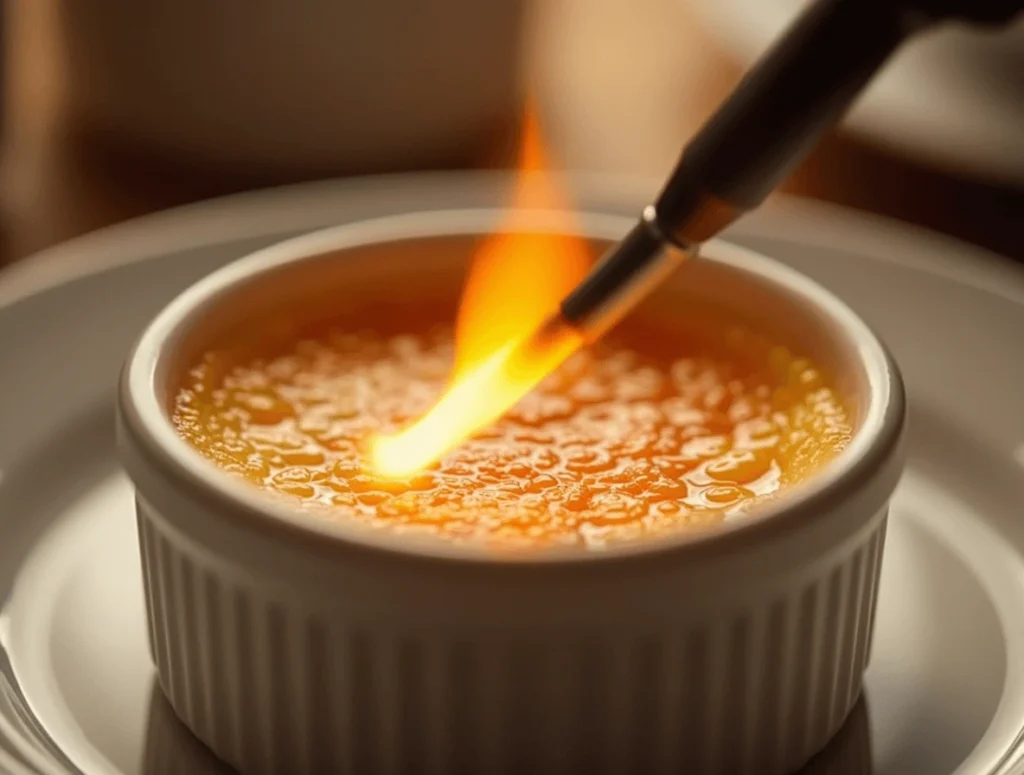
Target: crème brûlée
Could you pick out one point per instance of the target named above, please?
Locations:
(665, 425)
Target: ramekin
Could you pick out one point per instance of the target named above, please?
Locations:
(170, 749)
(293, 644)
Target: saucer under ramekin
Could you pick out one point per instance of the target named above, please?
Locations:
(293, 644)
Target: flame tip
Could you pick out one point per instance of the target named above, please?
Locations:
(527, 273)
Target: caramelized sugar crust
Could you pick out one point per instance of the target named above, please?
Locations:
(665, 426)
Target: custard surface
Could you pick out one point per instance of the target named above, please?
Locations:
(652, 431)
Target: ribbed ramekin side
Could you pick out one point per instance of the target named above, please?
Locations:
(275, 688)
(244, 672)
(170, 747)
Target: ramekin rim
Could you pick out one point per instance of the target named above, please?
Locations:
(153, 436)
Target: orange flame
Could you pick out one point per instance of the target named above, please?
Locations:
(515, 282)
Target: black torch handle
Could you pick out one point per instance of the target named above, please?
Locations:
(799, 88)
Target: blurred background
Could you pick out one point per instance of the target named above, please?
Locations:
(116, 108)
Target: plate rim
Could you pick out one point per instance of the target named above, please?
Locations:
(207, 221)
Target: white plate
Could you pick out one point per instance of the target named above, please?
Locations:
(953, 98)
(945, 688)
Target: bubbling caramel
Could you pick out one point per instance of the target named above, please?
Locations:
(657, 429)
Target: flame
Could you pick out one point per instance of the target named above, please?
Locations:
(515, 282)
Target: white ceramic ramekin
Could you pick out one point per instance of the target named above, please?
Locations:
(171, 750)
(294, 644)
